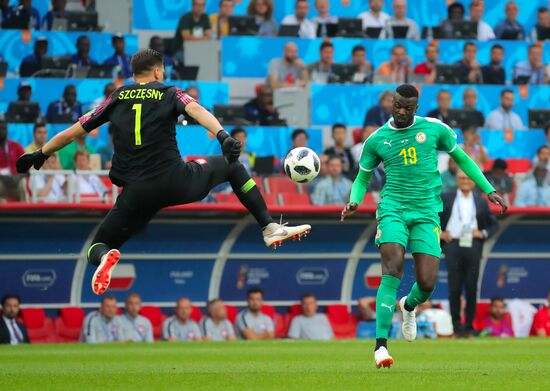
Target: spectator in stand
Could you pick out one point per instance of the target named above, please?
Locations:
(102, 325)
(193, 26)
(473, 147)
(469, 70)
(497, 324)
(510, 28)
(180, 327)
(251, 323)
(33, 62)
(11, 331)
(262, 10)
(428, 68)
(455, 13)
(260, 110)
(484, 31)
(299, 139)
(323, 172)
(535, 189)
(541, 321)
(49, 188)
(67, 106)
(120, 59)
(106, 151)
(504, 118)
(469, 101)
(466, 222)
(323, 15)
(87, 184)
(433, 322)
(289, 71)
(216, 326)
(11, 184)
(82, 56)
(365, 69)
(321, 71)
(398, 69)
(24, 94)
(66, 155)
(532, 71)
(543, 156)
(399, 18)
(307, 28)
(380, 114)
(107, 91)
(24, 10)
(335, 188)
(543, 23)
(494, 72)
(311, 324)
(247, 159)
(4, 9)
(40, 136)
(57, 12)
(443, 106)
(448, 178)
(220, 21)
(339, 149)
(374, 17)
(499, 178)
(134, 327)
(157, 43)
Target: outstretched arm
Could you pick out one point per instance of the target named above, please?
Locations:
(358, 190)
(471, 169)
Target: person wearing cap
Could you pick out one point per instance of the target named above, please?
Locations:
(33, 62)
(21, 11)
(82, 56)
(535, 189)
(120, 58)
(57, 12)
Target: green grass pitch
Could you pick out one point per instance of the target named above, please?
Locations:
(482, 364)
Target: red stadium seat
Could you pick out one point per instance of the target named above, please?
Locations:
(227, 198)
(515, 166)
(281, 327)
(196, 313)
(39, 327)
(232, 312)
(156, 317)
(259, 183)
(343, 323)
(296, 199)
(268, 310)
(69, 324)
(280, 184)
(271, 199)
(295, 310)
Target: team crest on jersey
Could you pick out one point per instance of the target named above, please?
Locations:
(421, 137)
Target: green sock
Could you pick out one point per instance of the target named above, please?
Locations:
(416, 297)
(385, 305)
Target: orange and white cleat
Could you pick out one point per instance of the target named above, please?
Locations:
(383, 358)
(102, 276)
(276, 234)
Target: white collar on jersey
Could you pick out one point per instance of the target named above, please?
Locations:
(394, 128)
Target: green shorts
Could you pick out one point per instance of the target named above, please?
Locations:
(398, 224)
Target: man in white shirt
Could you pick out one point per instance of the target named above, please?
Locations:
(251, 323)
(484, 31)
(135, 327)
(374, 17)
(466, 222)
(216, 326)
(87, 184)
(310, 325)
(102, 325)
(399, 18)
(504, 118)
(11, 331)
(180, 326)
(307, 28)
(49, 188)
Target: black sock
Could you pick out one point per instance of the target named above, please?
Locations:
(248, 193)
(96, 252)
(381, 342)
(408, 307)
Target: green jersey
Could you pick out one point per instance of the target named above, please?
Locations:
(410, 160)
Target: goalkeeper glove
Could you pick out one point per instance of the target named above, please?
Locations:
(231, 148)
(31, 159)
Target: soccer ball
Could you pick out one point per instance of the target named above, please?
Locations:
(302, 165)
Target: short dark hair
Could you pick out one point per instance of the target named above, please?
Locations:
(358, 48)
(468, 44)
(10, 296)
(407, 91)
(253, 291)
(539, 149)
(338, 125)
(38, 125)
(497, 46)
(108, 297)
(542, 10)
(455, 5)
(547, 130)
(298, 132)
(497, 298)
(398, 46)
(306, 296)
(81, 38)
(500, 164)
(332, 157)
(133, 294)
(236, 130)
(326, 45)
(533, 46)
(145, 60)
(505, 91)
(210, 303)
(467, 129)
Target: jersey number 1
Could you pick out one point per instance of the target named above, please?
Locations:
(409, 155)
(137, 127)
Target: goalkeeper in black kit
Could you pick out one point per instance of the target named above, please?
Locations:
(148, 165)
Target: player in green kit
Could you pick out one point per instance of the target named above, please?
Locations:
(409, 209)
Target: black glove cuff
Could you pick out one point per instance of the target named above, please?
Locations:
(41, 154)
(222, 135)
